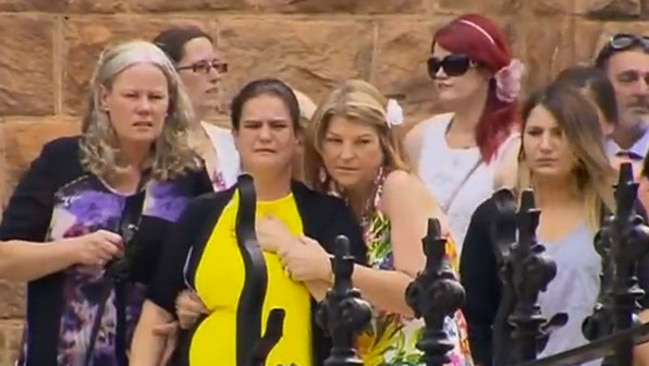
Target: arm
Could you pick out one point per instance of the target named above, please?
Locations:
(24, 257)
(23, 261)
(479, 276)
(148, 345)
(344, 223)
(408, 215)
(507, 169)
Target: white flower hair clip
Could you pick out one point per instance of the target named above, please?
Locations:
(394, 113)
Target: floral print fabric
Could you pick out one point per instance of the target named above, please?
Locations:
(390, 340)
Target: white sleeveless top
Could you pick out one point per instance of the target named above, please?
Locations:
(228, 163)
(443, 169)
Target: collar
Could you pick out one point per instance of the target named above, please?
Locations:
(641, 147)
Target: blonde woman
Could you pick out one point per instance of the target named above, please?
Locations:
(351, 151)
(563, 159)
(129, 172)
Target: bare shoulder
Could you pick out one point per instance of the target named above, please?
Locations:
(399, 179)
(404, 186)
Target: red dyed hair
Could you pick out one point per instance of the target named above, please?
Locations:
(491, 51)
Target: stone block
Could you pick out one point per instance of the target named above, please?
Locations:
(400, 69)
(344, 6)
(26, 70)
(24, 139)
(549, 45)
(47, 6)
(609, 9)
(156, 6)
(11, 332)
(591, 35)
(311, 55)
(12, 300)
(485, 7)
(550, 7)
(86, 36)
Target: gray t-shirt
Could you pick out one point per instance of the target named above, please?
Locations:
(573, 290)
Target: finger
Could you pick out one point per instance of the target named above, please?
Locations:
(109, 249)
(287, 272)
(186, 321)
(111, 237)
(308, 241)
(170, 347)
(191, 303)
(283, 252)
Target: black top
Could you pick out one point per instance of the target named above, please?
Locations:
(479, 276)
(323, 218)
(57, 199)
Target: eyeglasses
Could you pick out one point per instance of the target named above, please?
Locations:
(206, 66)
(622, 41)
(453, 65)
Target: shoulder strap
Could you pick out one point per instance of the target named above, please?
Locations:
(447, 205)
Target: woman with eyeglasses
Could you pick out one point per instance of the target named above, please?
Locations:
(456, 153)
(201, 69)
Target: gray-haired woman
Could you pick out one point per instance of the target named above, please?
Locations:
(105, 197)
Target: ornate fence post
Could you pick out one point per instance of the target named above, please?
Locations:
(343, 313)
(434, 295)
(532, 270)
(520, 332)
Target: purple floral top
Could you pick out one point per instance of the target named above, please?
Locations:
(57, 200)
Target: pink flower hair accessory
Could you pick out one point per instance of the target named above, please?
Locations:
(508, 81)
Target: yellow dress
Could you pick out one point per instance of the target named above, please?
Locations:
(219, 282)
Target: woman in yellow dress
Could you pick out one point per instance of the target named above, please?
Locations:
(203, 253)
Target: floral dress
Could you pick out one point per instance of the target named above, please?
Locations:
(390, 339)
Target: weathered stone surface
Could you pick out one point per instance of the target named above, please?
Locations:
(485, 7)
(313, 56)
(344, 6)
(551, 7)
(549, 44)
(155, 6)
(12, 300)
(590, 36)
(400, 67)
(85, 37)
(609, 9)
(11, 332)
(26, 72)
(24, 139)
(49, 6)
(4, 190)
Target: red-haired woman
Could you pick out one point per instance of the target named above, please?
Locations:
(457, 154)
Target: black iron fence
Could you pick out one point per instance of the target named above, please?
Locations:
(520, 331)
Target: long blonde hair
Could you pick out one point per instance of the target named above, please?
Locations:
(171, 154)
(360, 101)
(578, 119)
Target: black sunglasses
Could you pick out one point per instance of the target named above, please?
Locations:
(206, 66)
(622, 41)
(453, 65)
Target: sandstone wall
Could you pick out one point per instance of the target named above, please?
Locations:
(48, 49)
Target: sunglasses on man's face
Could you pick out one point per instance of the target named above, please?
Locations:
(452, 65)
(622, 41)
(206, 66)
